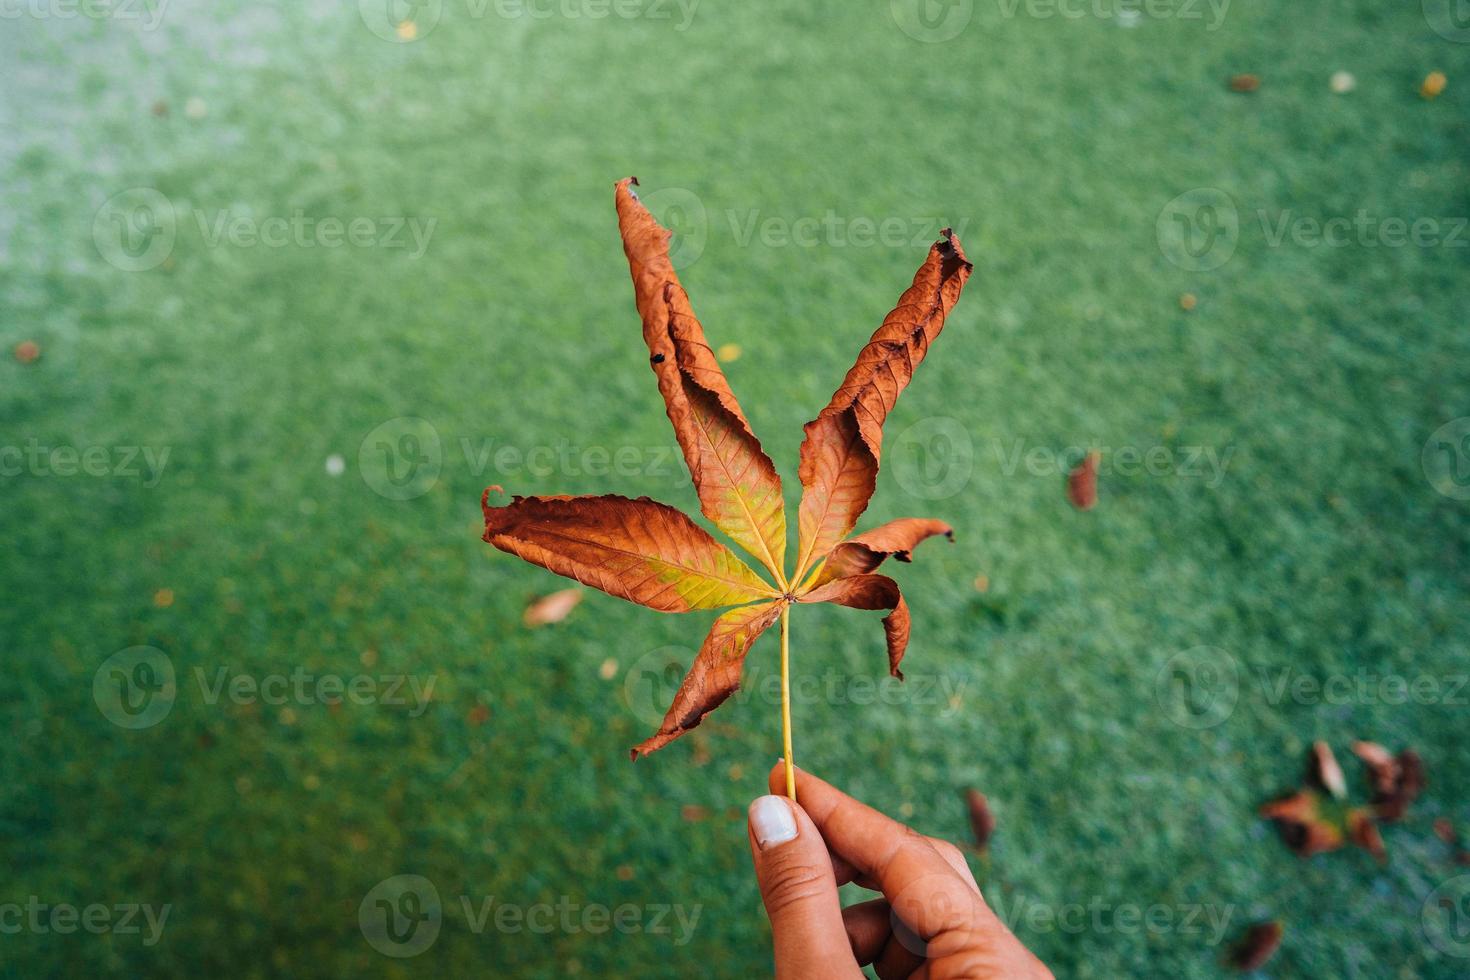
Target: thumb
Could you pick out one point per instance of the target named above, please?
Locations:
(799, 891)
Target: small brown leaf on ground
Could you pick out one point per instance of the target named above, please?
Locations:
(1382, 770)
(1257, 947)
(1299, 819)
(1434, 84)
(1363, 829)
(1082, 482)
(982, 821)
(1397, 780)
(694, 813)
(1325, 771)
(1245, 83)
(552, 608)
(27, 351)
(478, 715)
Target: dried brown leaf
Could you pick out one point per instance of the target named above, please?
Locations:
(843, 445)
(982, 820)
(639, 550)
(1325, 771)
(871, 592)
(1302, 825)
(715, 673)
(1082, 482)
(1257, 947)
(552, 608)
(1363, 829)
(738, 487)
(863, 553)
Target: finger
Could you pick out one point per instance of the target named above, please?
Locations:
(956, 859)
(901, 956)
(924, 889)
(799, 891)
(842, 868)
(867, 928)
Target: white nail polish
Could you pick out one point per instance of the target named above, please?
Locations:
(772, 821)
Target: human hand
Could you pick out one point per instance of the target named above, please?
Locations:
(931, 922)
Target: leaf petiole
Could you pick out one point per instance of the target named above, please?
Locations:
(786, 699)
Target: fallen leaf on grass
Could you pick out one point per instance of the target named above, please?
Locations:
(1397, 780)
(1363, 830)
(1244, 83)
(982, 820)
(551, 608)
(1082, 482)
(1302, 824)
(1326, 772)
(1257, 947)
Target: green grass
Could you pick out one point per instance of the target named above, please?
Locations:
(1053, 143)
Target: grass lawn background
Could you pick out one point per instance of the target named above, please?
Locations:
(1054, 144)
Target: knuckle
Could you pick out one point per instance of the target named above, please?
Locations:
(948, 851)
(793, 885)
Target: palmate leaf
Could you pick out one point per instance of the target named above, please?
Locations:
(639, 550)
(843, 444)
(715, 674)
(652, 554)
(737, 485)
